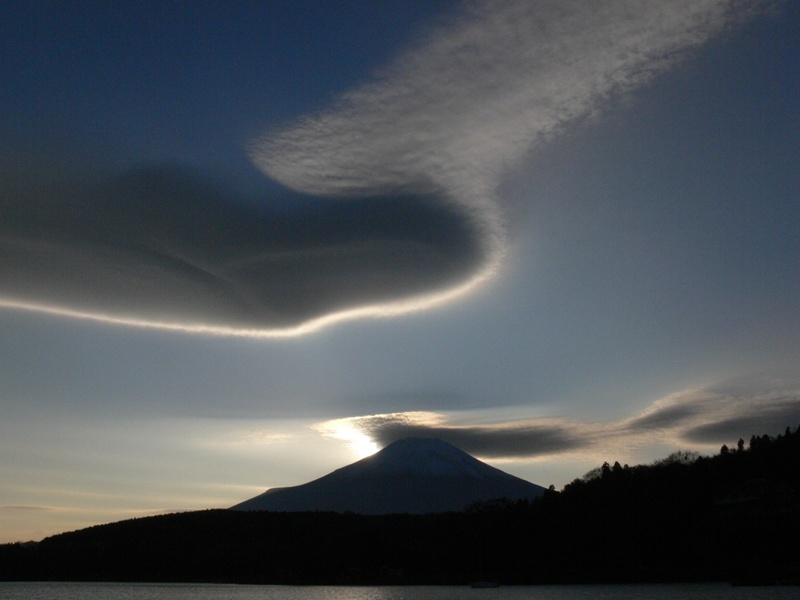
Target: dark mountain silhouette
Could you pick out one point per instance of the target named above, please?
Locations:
(734, 516)
(413, 475)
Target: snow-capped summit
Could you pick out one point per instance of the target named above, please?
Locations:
(423, 456)
(413, 475)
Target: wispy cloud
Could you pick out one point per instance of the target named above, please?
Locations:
(400, 177)
(450, 115)
(25, 508)
(706, 417)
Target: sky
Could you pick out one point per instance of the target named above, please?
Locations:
(243, 244)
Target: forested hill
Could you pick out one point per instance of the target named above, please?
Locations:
(734, 516)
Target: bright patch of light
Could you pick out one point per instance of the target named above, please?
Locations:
(356, 430)
(343, 429)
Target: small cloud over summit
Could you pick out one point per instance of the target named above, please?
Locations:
(709, 416)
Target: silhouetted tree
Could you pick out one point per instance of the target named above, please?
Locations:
(681, 457)
(683, 518)
(595, 473)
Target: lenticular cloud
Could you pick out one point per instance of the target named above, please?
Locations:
(391, 200)
(451, 114)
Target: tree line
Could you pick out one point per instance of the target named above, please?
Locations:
(734, 516)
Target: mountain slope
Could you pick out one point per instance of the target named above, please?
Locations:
(414, 475)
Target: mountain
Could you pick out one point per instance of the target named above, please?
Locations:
(413, 475)
(730, 517)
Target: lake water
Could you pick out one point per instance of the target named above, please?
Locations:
(119, 591)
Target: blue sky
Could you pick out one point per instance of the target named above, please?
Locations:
(243, 244)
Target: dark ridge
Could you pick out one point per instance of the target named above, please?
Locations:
(731, 517)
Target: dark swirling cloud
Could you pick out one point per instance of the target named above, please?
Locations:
(420, 151)
(168, 246)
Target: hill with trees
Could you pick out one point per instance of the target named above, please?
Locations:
(734, 516)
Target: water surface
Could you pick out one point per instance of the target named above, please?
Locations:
(122, 591)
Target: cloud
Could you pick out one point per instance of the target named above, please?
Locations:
(743, 427)
(25, 508)
(771, 416)
(470, 100)
(706, 416)
(496, 441)
(506, 440)
(722, 413)
(168, 247)
(398, 178)
(664, 418)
